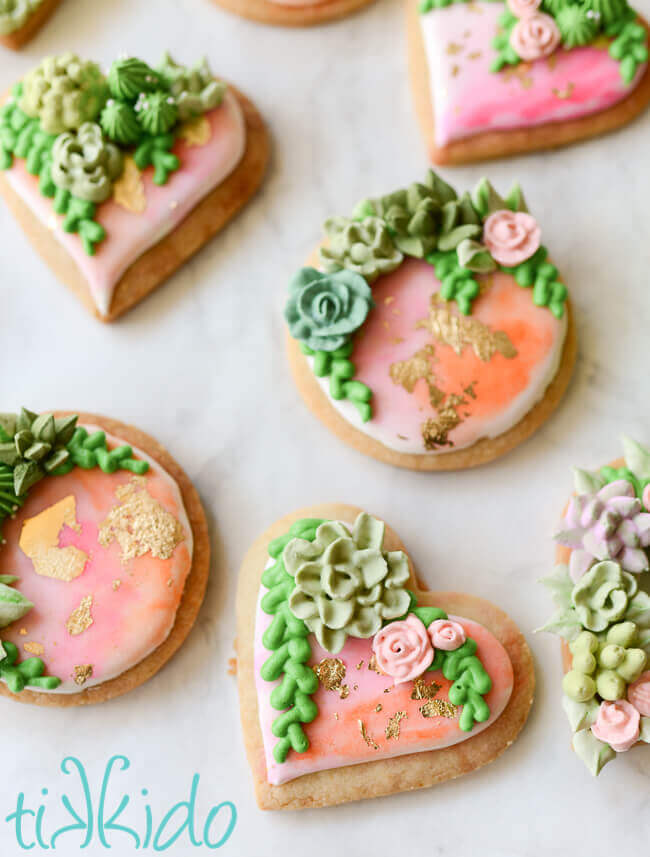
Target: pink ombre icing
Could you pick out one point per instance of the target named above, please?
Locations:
(134, 604)
(446, 635)
(130, 234)
(402, 649)
(617, 725)
(468, 98)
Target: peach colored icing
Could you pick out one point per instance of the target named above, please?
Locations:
(638, 693)
(495, 393)
(338, 742)
(132, 605)
(446, 635)
(129, 234)
(617, 724)
(468, 98)
(403, 649)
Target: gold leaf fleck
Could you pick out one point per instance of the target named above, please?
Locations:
(454, 48)
(407, 373)
(82, 672)
(344, 691)
(360, 664)
(372, 665)
(80, 619)
(455, 70)
(392, 726)
(116, 584)
(140, 524)
(470, 391)
(128, 190)
(459, 331)
(475, 55)
(336, 715)
(438, 708)
(567, 92)
(379, 707)
(39, 540)
(23, 632)
(34, 648)
(422, 690)
(331, 672)
(197, 131)
(364, 734)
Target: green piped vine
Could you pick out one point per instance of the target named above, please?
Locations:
(138, 110)
(33, 447)
(540, 275)
(340, 370)
(287, 638)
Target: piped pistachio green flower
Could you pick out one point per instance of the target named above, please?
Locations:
(578, 25)
(85, 164)
(365, 247)
(602, 595)
(195, 89)
(346, 585)
(324, 310)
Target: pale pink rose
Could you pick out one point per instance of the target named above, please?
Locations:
(511, 236)
(403, 649)
(638, 693)
(617, 724)
(523, 8)
(534, 36)
(446, 635)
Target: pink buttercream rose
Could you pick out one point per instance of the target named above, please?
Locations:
(638, 693)
(617, 724)
(511, 236)
(446, 635)
(534, 36)
(523, 8)
(403, 649)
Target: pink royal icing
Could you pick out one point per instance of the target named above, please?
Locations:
(446, 634)
(511, 237)
(130, 234)
(617, 724)
(402, 649)
(495, 393)
(132, 605)
(467, 98)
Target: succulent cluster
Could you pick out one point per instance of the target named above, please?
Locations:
(85, 164)
(33, 446)
(604, 665)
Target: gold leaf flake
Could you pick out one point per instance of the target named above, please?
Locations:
(567, 92)
(407, 373)
(455, 70)
(331, 672)
(438, 708)
(460, 331)
(387, 689)
(389, 299)
(82, 672)
(364, 734)
(39, 540)
(551, 61)
(474, 7)
(116, 584)
(392, 726)
(475, 55)
(196, 132)
(360, 664)
(128, 190)
(34, 648)
(23, 632)
(372, 665)
(80, 619)
(470, 391)
(454, 48)
(140, 524)
(422, 690)
(344, 691)
(379, 707)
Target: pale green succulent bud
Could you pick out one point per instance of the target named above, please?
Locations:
(610, 685)
(624, 634)
(584, 642)
(584, 662)
(579, 687)
(633, 664)
(611, 656)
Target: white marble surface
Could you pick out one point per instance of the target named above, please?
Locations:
(201, 366)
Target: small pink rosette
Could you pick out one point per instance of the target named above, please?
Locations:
(446, 634)
(535, 36)
(511, 236)
(403, 649)
(617, 724)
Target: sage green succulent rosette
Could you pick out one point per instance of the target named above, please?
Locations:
(129, 77)
(195, 89)
(604, 614)
(324, 310)
(578, 25)
(364, 247)
(15, 13)
(345, 583)
(63, 92)
(85, 164)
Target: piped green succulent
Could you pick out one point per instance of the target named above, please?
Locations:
(345, 583)
(129, 77)
(365, 247)
(34, 445)
(195, 89)
(85, 164)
